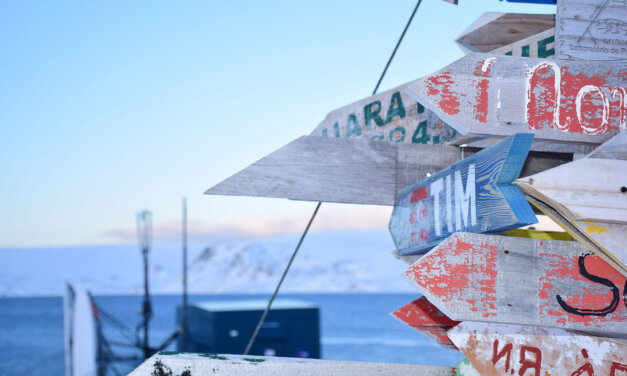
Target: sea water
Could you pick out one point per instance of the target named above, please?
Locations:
(353, 327)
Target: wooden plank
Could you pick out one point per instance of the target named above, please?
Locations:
(465, 368)
(606, 240)
(491, 278)
(514, 34)
(388, 116)
(170, 363)
(592, 30)
(351, 171)
(482, 95)
(501, 349)
(535, 234)
(473, 195)
(589, 199)
(426, 318)
(338, 170)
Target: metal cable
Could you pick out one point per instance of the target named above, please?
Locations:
(287, 268)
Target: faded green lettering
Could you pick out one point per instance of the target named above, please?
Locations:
(420, 134)
(525, 51)
(396, 108)
(542, 51)
(377, 137)
(421, 108)
(336, 129)
(400, 130)
(370, 114)
(508, 53)
(352, 126)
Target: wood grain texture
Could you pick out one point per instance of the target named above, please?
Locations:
(482, 95)
(337, 170)
(586, 197)
(606, 240)
(491, 278)
(592, 30)
(474, 195)
(493, 32)
(501, 349)
(241, 365)
(391, 116)
(426, 318)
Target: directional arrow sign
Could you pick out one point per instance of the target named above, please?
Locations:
(522, 281)
(388, 116)
(592, 30)
(428, 320)
(500, 349)
(514, 34)
(590, 195)
(473, 195)
(561, 101)
(314, 168)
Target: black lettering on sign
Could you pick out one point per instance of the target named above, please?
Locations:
(592, 312)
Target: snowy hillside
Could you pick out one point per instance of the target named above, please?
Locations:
(341, 261)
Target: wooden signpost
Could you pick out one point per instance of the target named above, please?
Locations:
(482, 95)
(589, 198)
(314, 168)
(179, 364)
(474, 195)
(388, 116)
(500, 349)
(592, 30)
(427, 319)
(513, 34)
(522, 281)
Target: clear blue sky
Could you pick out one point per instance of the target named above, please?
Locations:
(107, 108)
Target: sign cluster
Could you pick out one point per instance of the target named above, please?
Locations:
(540, 96)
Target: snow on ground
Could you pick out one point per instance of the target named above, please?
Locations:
(336, 261)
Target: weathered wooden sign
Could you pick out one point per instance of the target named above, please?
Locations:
(350, 171)
(522, 281)
(482, 95)
(591, 195)
(473, 195)
(592, 30)
(173, 363)
(388, 116)
(501, 349)
(513, 34)
(428, 320)
(338, 170)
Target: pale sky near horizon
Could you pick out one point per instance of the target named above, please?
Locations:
(108, 108)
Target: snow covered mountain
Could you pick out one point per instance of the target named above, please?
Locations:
(340, 261)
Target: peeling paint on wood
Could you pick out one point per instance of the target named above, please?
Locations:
(500, 349)
(513, 34)
(592, 30)
(428, 320)
(388, 116)
(522, 281)
(482, 95)
(465, 368)
(240, 365)
(474, 195)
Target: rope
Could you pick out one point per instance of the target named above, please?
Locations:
(265, 313)
(287, 268)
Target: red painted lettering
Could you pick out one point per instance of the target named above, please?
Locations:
(526, 363)
(506, 351)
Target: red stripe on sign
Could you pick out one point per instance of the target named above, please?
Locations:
(418, 194)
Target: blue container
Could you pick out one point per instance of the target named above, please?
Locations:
(291, 329)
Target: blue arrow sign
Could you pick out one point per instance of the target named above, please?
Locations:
(473, 195)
